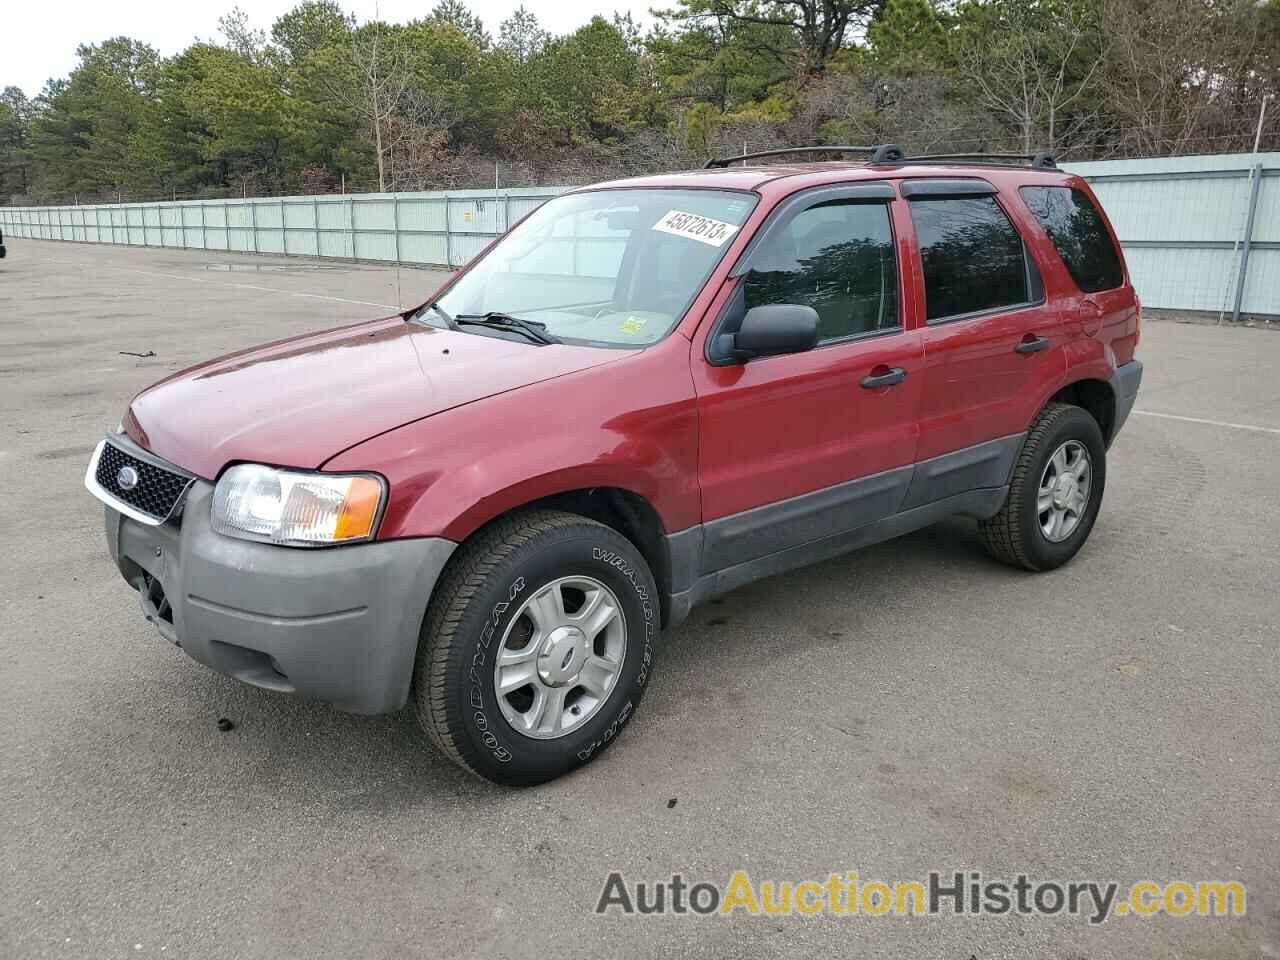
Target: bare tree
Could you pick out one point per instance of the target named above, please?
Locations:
(911, 109)
(1180, 73)
(416, 140)
(374, 85)
(658, 148)
(1035, 65)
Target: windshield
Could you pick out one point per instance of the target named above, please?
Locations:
(611, 267)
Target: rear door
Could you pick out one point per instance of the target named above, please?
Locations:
(796, 448)
(991, 341)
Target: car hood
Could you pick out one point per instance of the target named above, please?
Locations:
(299, 402)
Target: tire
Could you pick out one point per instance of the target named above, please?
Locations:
(485, 605)
(1016, 535)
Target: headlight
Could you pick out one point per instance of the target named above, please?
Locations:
(301, 509)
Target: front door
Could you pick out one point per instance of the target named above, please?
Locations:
(797, 448)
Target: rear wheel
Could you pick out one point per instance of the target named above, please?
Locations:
(537, 646)
(1055, 493)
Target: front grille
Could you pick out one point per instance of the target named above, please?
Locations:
(158, 491)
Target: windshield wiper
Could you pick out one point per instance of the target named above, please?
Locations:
(535, 331)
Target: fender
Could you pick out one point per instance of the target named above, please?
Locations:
(1087, 358)
(451, 473)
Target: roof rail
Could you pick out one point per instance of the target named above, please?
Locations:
(884, 153)
(1042, 160)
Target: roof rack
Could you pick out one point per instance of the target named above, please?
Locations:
(1040, 161)
(884, 153)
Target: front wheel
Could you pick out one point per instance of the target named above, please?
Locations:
(1055, 494)
(537, 646)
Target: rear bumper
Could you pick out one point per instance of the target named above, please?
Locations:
(339, 624)
(1125, 382)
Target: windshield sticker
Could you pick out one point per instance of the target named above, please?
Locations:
(693, 227)
(633, 324)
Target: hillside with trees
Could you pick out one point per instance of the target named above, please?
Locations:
(321, 103)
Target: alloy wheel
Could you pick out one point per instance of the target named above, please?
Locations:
(1063, 495)
(560, 657)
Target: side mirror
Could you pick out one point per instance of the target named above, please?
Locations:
(775, 329)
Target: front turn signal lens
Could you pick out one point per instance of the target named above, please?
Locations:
(359, 510)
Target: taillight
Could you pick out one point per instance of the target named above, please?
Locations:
(1137, 312)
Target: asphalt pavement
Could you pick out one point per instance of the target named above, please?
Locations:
(911, 707)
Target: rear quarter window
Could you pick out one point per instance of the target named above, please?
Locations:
(1079, 234)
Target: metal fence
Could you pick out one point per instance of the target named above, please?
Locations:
(420, 228)
(1200, 233)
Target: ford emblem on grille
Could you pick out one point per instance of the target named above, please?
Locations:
(127, 478)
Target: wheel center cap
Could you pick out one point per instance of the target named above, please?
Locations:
(562, 655)
(1064, 492)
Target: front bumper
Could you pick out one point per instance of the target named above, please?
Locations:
(1125, 383)
(337, 624)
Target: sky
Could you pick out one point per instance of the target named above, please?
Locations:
(39, 37)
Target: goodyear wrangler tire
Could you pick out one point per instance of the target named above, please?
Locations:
(1055, 494)
(536, 647)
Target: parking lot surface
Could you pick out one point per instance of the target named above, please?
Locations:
(911, 707)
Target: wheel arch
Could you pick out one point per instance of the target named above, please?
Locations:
(1095, 397)
(623, 510)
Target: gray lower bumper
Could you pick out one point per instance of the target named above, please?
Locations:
(339, 624)
(1125, 381)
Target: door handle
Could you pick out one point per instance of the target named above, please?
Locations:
(1034, 345)
(891, 376)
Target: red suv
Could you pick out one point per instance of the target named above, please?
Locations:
(647, 393)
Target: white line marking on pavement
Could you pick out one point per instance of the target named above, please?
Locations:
(254, 286)
(241, 286)
(1211, 423)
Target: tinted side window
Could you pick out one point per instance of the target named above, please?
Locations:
(838, 258)
(973, 257)
(1077, 231)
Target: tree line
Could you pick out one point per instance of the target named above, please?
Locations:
(321, 102)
